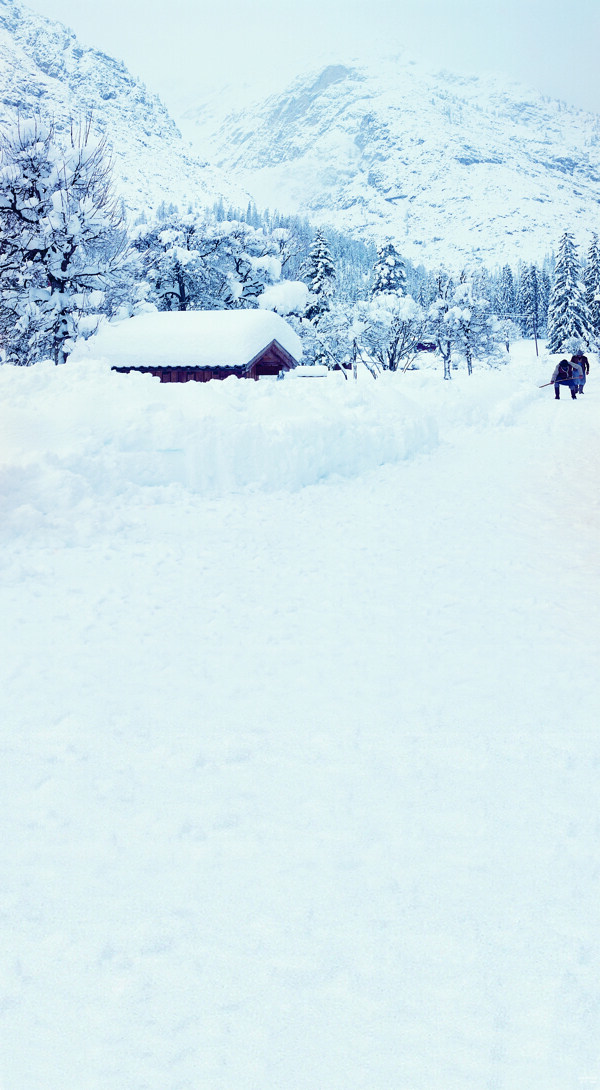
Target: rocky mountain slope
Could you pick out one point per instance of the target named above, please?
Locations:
(44, 68)
(444, 165)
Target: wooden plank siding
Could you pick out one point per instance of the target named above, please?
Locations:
(184, 374)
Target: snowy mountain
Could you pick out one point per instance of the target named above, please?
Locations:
(441, 163)
(445, 165)
(44, 68)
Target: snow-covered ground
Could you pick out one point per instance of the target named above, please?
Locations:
(300, 704)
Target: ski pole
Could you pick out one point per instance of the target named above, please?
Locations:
(545, 384)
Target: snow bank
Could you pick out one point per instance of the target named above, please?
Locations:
(72, 431)
(69, 433)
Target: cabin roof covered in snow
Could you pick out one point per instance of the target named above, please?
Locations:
(191, 338)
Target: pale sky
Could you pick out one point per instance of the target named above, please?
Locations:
(189, 47)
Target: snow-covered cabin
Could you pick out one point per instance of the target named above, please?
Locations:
(199, 345)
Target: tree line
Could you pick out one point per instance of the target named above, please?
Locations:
(68, 260)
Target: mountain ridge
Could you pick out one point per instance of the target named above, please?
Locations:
(452, 168)
(446, 165)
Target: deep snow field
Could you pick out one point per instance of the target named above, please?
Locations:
(300, 700)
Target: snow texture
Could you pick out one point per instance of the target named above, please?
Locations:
(286, 297)
(195, 338)
(299, 688)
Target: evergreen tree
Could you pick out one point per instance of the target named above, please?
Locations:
(471, 316)
(545, 285)
(320, 276)
(389, 274)
(427, 290)
(506, 305)
(592, 286)
(567, 311)
(530, 302)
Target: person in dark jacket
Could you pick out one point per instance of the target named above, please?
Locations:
(583, 362)
(566, 374)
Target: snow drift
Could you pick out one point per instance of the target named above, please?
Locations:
(95, 429)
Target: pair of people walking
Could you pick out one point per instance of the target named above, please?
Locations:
(571, 373)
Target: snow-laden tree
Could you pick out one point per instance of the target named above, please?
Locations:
(443, 318)
(61, 237)
(507, 331)
(592, 287)
(471, 317)
(327, 342)
(567, 310)
(380, 333)
(389, 272)
(392, 327)
(127, 293)
(426, 289)
(252, 260)
(190, 263)
(286, 245)
(175, 260)
(530, 303)
(506, 301)
(320, 277)
(545, 285)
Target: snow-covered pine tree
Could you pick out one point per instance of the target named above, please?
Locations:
(320, 277)
(507, 306)
(465, 331)
(529, 302)
(427, 290)
(592, 287)
(61, 236)
(389, 273)
(506, 303)
(567, 310)
(545, 285)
